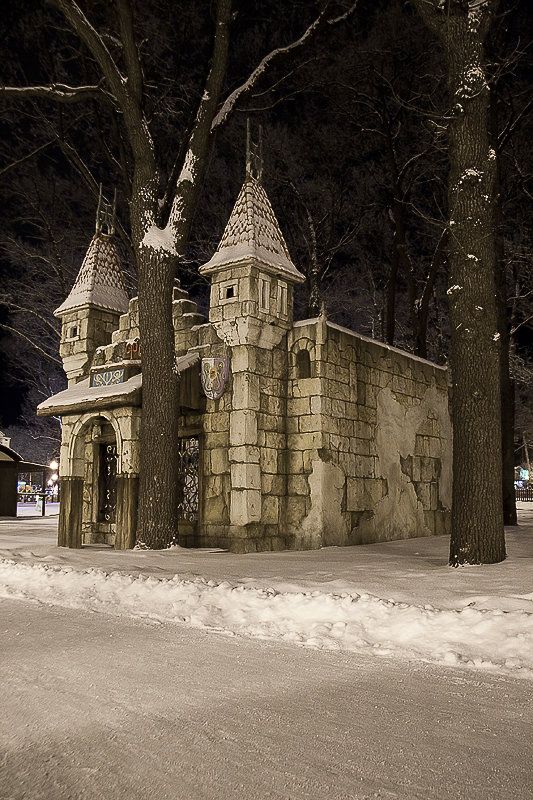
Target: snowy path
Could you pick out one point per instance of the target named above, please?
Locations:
(481, 638)
(95, 706)
(396, 598)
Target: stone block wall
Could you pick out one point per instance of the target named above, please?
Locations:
(81, 437)
(82, 333)
(235, 293)
(321, 437)
(243, 446)
(369, 441)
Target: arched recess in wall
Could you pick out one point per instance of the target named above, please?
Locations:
(303, 364)
(302, 359)
(76, 462)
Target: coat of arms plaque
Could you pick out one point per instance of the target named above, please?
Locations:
(214, 374)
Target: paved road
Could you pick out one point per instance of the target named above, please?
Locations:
(99, 707)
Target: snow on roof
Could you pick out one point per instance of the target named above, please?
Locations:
(314, 320)
(186, 361)
(8, 454)
(99, 282)
(253, 232)
(82, 396)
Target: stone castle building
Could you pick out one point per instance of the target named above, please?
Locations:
(292, 434)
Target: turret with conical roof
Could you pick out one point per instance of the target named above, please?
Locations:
(91, 311)
(252, 274)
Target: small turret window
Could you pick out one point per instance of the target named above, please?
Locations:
(73, 332)
(303, 364)
(283, 299)
(228, 292)
(264, 295)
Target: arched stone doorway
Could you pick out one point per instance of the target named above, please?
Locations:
(99, 514)
(99, 503)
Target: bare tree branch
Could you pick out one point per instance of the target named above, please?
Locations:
(131, 53)
(271, 58)
(138, 132)
(27, 157)
(202, 130)
(16, 309)
(57, 91)
(513, 124)
(32, 343)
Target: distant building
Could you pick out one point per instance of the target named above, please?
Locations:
(293, 434)
(11, 466)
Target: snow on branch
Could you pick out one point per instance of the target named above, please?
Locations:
(136, 125)
(57, 91)
(245, 88)
(94, 42)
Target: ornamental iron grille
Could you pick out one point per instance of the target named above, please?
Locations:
(108, 483)
(188, 461)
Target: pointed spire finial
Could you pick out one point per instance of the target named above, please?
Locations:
(254, 153)
(105, 214)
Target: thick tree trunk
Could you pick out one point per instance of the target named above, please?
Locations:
(158, 500)
(477, 519)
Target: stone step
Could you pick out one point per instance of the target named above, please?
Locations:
(179, 294)
(120, 336)
(184, 306)
(194, 319)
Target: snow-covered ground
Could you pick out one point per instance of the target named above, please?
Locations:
(32, 510)
(96, 706)
(395, 599)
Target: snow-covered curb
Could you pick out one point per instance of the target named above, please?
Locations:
(492, 639)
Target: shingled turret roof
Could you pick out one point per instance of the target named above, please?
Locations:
(99, 282)
(253, 232)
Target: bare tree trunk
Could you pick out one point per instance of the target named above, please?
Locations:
(158, 509)
(477, 519)
(313, 297)
(428, 294)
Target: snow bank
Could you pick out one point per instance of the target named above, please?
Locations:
(492, 639)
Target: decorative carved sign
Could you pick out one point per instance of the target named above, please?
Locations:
(188, 460)
(133, 349)
(214, 374)
(108, 483)
(108, 377)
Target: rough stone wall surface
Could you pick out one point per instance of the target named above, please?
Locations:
(79, 455)
(243, 441)
(243, 300)
(93, 327)
(369, 441)
(352, 448)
